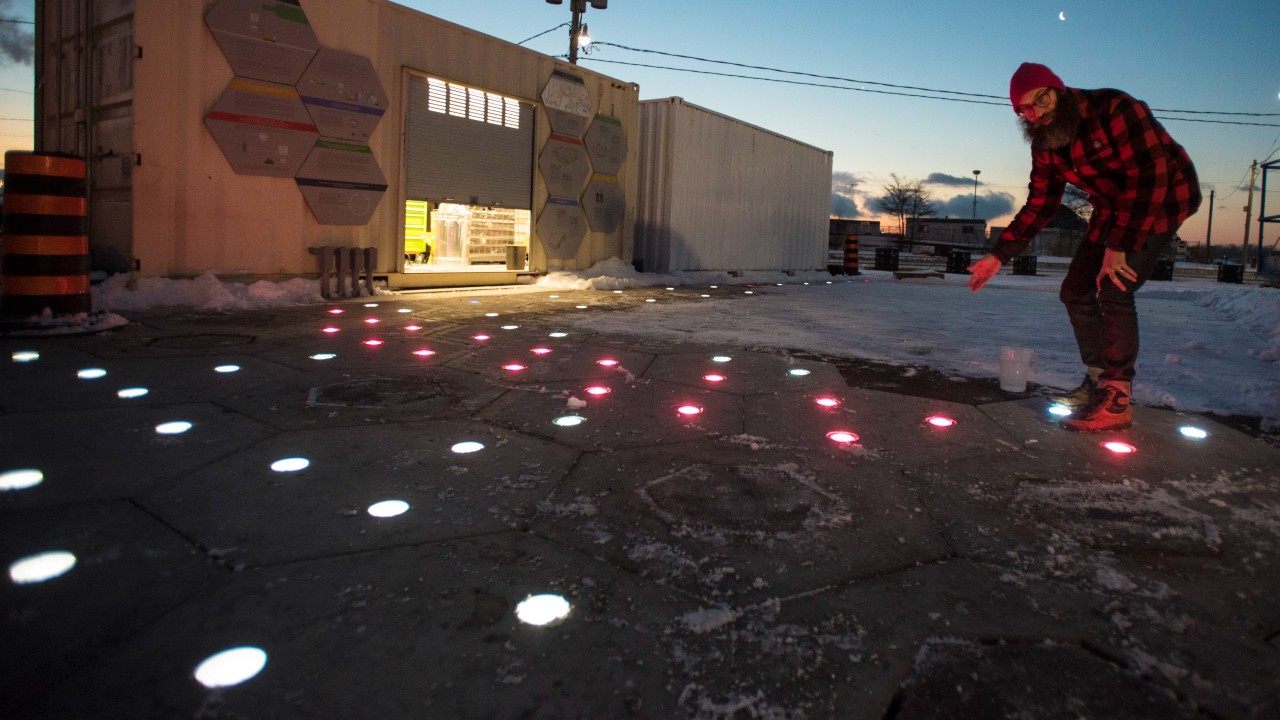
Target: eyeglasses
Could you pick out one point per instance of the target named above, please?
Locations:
(1040, 102)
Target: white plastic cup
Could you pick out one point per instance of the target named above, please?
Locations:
(1015, 368)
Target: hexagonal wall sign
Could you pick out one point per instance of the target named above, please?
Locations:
(602, 202)
(561, 227)
(341, 182)
(564, 165)
(606, 145)
(262, 128)
(342, 92)
(567, 102)
(267, 40)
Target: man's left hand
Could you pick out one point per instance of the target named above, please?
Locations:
(1116, 269)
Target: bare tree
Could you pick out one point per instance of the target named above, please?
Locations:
(905, 200)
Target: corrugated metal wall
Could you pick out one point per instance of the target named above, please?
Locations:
(716, 193)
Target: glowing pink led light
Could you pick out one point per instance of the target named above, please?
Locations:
(827, 402)
(541, 351)
(1119, 448)
(424, 352)
(479, 338)
(713, 378)
(336, 311)
(689, 410)
(844, 437)
(413, 328)
(607, 362)
(372, 321)
(331, 330)
(940, 421)
(598, 390)
(513, 367)
(373, 342)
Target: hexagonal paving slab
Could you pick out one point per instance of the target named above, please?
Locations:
(231, 506)
(745, 373)
(129, 570)
(429, 630)
(732, 524)
(98, 454)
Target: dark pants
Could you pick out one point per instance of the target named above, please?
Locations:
(1106, 321)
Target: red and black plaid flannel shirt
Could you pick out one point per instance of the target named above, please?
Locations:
(1140, 182)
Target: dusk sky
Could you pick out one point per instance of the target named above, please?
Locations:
(1175, 55)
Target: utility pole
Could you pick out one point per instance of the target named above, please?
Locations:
(975, 193)
(1248, 217)
(1208, 233)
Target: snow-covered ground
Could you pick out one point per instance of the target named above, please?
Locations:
(1206, 346)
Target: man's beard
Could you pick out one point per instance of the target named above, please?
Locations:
(1063, 126)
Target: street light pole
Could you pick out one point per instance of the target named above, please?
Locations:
(579, 7)
(975, 193)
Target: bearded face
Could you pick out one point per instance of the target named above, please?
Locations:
(1054, 129)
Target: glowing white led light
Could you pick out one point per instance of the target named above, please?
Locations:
(581, 307)
(91, 373)
(224, 369)
(554, 297)
(131, 393)
(510, 327)
(323, 356)
(41, 567)
(231, 667)
(20, 479)
(748, 292)
(650, 300)
(176, 427)
(704, 295)
(543, 610)
(721, 359)
(797, 372)
(558, 334)
(404, 310)
(25, 356)
(1194, 433)
(713, 287)
(388, 508)
(1059, 410)
(467, 446)
(569, 420)
(491, 314)
(371, 304)
(290, 464)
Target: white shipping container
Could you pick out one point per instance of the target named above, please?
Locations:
(716, 193)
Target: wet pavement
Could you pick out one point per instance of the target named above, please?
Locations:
(730, 546)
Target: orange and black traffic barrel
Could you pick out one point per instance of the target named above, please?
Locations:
(44, 261)
(851, 255)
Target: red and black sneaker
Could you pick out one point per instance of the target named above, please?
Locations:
(1108, 409)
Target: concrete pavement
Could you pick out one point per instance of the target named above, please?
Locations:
(735, 560)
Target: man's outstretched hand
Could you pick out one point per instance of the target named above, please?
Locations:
(1116, 269)
(983, 270)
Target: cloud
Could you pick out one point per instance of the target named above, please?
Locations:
(16, 45)
(842, 206)
(844, 180)
(944, 179)
(990, 205)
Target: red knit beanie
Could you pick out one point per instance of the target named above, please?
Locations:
(1030, 76)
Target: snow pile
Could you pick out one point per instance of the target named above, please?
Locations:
(613, 274)
(205, 292)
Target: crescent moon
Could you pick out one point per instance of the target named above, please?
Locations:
(1062, 15)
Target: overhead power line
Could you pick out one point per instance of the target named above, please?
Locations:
(1000, 99)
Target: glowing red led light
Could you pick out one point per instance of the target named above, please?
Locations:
(373, 342)
(413, 328)
(331, 330)
(598, 390)
(713, 378)
(940, 421)
(689, 410)
(827, 402)
(424, 352)
(513, 367)
(479, 338)
(844, 437)
(372, 321)
(1119, 448)
(336, 311)
(607, 362)
(541, 351)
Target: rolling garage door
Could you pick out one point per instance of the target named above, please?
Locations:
(467, 146)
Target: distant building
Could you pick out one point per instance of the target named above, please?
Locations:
(940, 235)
